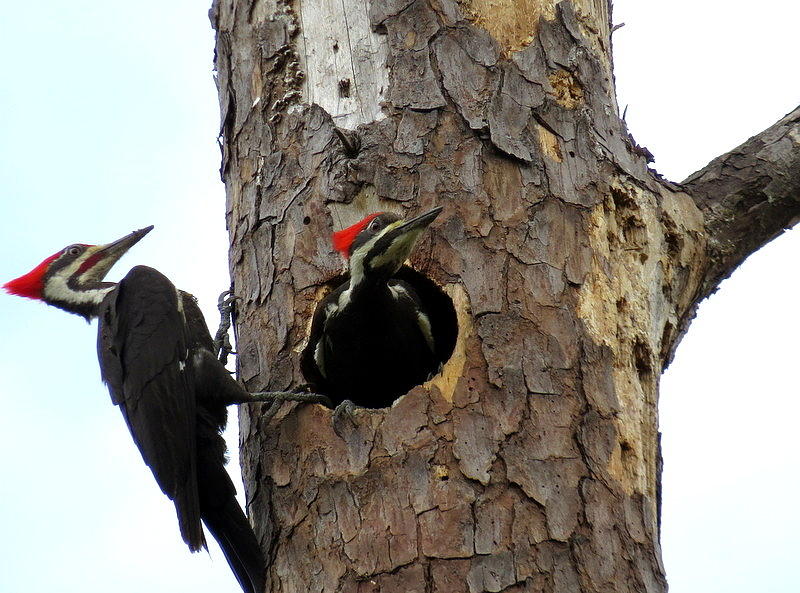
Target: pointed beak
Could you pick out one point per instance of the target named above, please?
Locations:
(107, 255)
(118, 248)
(394, 246)
(418, 222)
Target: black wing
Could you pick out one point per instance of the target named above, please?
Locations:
(143, 351)
(437, 306)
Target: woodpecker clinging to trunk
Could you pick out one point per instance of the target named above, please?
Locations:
(372, 338)
(157, 358)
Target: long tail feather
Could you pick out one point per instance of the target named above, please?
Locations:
(232, 531)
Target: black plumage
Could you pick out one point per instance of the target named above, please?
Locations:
(157, 358)
(373, 353)
(385, 329)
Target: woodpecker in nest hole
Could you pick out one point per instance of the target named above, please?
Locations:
(387, 328)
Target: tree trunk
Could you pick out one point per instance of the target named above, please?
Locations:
(531, 463)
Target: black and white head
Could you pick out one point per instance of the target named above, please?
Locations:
(72, 278)
(378, 245)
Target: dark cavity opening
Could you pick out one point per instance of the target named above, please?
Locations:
(360, 380)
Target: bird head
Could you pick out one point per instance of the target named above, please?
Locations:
(72, 278)
(377, 245)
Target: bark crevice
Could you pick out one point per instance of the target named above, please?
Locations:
(748, 196)
(532, 461)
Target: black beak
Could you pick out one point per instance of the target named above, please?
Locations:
(111, 252)
(395, 244)
(116, 249)
(419, 222)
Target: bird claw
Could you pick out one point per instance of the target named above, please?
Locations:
(226, 300)
(343, 418)
(226, 304)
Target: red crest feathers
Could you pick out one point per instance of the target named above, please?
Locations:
(342, 240)
(31, 284)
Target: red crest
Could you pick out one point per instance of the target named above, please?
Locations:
(31, 284)
(342, 240)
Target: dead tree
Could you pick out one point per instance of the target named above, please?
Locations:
(531, 463)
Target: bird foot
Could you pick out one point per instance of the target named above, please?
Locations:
(226, 304)
(279, 397)
(344, 419)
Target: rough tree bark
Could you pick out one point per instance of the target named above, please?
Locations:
(532, 462)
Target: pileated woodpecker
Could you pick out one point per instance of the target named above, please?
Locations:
(158, 361)
(372, 339)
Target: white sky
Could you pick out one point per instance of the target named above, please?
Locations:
(109, 119)
(700, 78)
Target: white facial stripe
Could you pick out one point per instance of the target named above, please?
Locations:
(93, 274)
(357, 269)
(398, 250)
(57, 290)
(72, 268)
(357, 258)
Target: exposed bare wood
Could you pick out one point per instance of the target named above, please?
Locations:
(344, 60)
(531, 463)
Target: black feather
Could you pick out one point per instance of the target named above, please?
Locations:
(375, 350)
(156, 357)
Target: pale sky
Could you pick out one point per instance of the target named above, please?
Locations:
(109, 120)
(700, 78)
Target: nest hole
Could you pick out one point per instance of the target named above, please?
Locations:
(441, 313)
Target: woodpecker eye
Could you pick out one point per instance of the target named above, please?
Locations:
(73, 250)
(375, 225)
